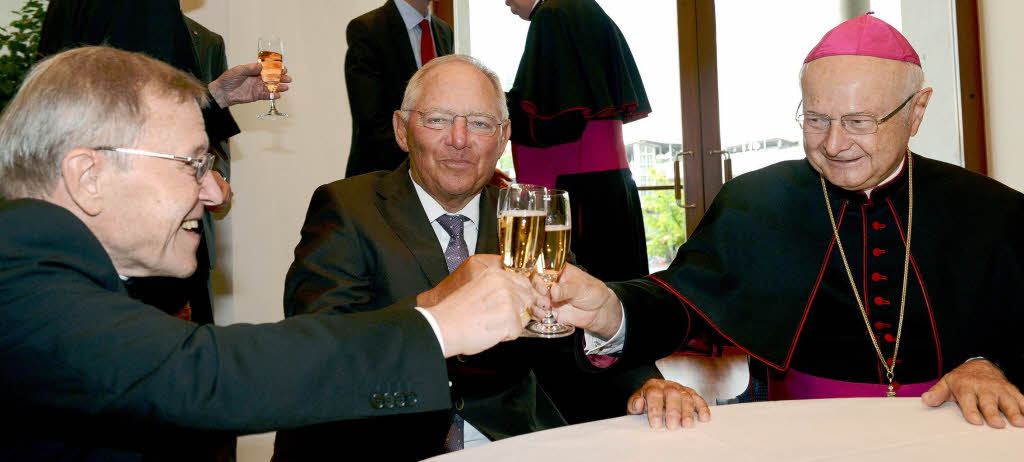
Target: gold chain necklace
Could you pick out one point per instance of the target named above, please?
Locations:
(906, 267)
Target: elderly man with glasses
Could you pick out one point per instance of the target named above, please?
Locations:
(864, 270)
(378, 239)
(103, 162)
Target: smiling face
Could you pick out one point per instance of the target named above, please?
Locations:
(841, 85)
(521, 8)
(453, 164)
(155, 204)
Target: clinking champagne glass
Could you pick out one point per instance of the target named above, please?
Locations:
(521, 212)
(270, 51)
(551, 261)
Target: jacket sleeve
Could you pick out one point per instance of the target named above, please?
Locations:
(73, 342)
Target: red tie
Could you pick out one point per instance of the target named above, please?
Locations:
(426, 43)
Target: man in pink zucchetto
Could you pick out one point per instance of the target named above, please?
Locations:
(863, 270)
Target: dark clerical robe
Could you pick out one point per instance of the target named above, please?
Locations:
(763, 271)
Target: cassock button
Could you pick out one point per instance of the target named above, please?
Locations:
(878, 252)
(377, 401)
(878, 277)
(879, 325)
(889, 338)
(895, 385)
(889, 363)
(881, 301)
(877, 226)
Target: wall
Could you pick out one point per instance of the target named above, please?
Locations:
(1001, 39)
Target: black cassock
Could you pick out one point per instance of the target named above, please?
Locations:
(763, 271)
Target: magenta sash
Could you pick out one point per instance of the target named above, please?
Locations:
(797, 385)
(599, 148)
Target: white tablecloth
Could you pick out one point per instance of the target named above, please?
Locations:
(859, 429)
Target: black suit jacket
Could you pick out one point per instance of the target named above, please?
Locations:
(88, 373)
(367, 244)
(378, 64)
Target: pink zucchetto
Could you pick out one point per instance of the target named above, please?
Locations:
(865, 35)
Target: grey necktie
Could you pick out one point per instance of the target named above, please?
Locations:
(456, 253)
(457, 250)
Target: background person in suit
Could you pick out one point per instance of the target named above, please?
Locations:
(378, 239)
(159, 29)
(89, 373)
(385, 47)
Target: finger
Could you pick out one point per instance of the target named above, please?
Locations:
(655, 406)
(286, 78)
(250, 69)
(989, 405)
(702, 408)
(635, 403)
(968, 403)
(937, 394)
(282, 88)
(676, 403)
(1013, 407)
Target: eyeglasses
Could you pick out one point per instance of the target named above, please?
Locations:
(855, 124)
(201, 164)
(478, 124)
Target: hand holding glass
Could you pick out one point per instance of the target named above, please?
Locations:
(271, 56)
(551, 261)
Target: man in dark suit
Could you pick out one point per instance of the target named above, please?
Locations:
(385, 47)
(87, 373)
(378, 239)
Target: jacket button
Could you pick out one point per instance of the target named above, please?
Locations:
(377, 401)
(389, 400)
(877, 226)
(399, 399)
(878, 252)
(878, 277)
(881, 301)
(411, 399)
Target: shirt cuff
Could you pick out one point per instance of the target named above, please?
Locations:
(596, 346)
(435, 326)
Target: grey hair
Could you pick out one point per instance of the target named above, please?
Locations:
(83, 98)
(415, 86)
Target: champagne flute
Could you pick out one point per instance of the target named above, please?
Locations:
(270, 51)
(551, 261)
(521, 212)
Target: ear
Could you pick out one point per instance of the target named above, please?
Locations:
(506, 133)
(401, 126)
(917, 110)
(81, 169)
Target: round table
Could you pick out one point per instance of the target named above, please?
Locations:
(852, 429)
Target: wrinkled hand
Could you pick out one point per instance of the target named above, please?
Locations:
(668, 403)
(487, 310)
(469, 270)
(975, 385)
(585, 302)
(242, 84)
(225, 190)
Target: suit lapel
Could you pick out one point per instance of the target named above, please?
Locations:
(400, 206)
(399, 36)
(487, 234)
(441, 37)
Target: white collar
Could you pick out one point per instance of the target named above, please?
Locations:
(434, 209)
(410, 16)
(894, 175)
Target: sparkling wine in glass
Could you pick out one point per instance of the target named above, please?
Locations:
(270, 51)
(551, 261)
(521, 215)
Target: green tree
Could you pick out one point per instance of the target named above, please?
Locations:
(19, 47)
(664, 221)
